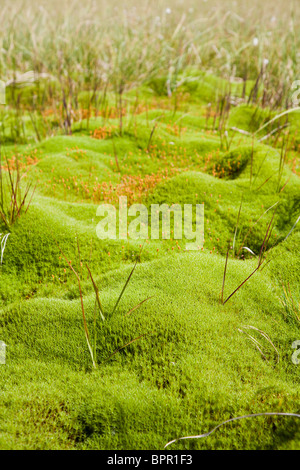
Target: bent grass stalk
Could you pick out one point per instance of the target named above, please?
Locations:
(291, 305)
(260, 260)
(200, 436)
(256, 343)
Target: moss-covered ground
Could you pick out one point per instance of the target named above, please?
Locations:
(196, 365)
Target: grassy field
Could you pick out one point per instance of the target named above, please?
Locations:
(163, 102)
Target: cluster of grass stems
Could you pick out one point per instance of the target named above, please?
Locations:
(70, 48)
(291, 304)
(99, 311)
(14, 198)
(264, 254)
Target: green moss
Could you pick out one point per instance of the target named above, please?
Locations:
(195, 366)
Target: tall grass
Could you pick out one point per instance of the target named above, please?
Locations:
(98, 46)
(15, 197)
